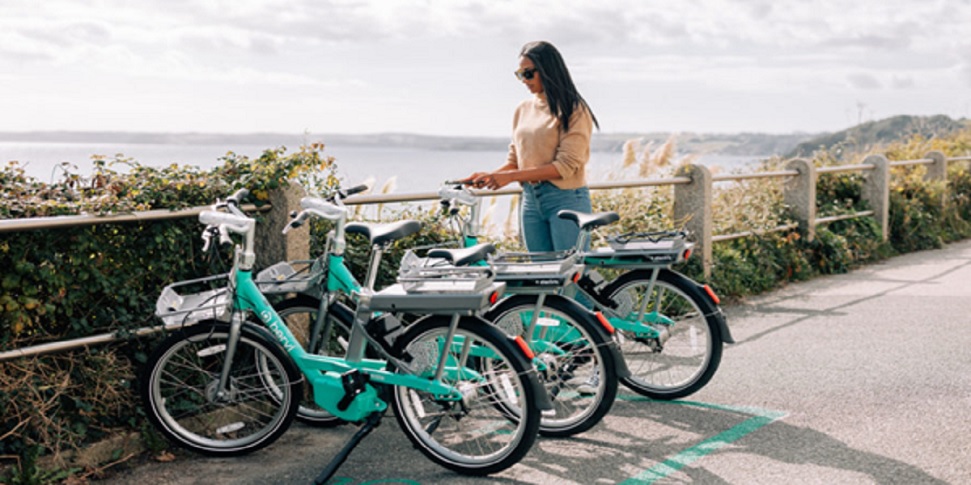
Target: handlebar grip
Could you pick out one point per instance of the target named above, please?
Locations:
(355, 190)
(238, 197)
(323, 208)
(214, 218)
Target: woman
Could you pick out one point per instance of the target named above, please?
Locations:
(549, 150)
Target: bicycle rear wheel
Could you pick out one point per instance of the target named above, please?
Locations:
(300, 314)
(473, 435)
(579, 373)
(182, 399)
(687, 355)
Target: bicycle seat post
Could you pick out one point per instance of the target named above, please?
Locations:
(377, 252)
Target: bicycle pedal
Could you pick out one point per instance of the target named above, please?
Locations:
(354, 383)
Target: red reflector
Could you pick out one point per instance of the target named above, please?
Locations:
(605, 323)
(493, 297)
(712, 294)
(687, 253)
(525, 348)
(576, 277)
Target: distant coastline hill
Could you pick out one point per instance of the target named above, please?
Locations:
(867, 136)
(864, 135)
(694, 143)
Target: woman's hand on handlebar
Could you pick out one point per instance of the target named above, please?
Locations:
(495, 180)
(472, 179)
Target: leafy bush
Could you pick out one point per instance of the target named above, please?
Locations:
(79, 281)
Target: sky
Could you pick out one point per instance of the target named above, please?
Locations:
(440, 67)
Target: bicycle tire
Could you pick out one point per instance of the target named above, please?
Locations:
(179, 386)
(584, 361)
(471, 436)
(679, 367)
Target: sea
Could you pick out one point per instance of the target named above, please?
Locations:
(387, 170)
(395, 169)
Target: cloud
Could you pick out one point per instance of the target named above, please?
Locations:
(902, 82)
(898, 40)
(369, 52)
(864, 81)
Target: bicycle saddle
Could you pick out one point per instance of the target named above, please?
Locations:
(589, 221)
(464, 256)
(379, 233)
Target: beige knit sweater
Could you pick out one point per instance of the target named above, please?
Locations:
(537, 140)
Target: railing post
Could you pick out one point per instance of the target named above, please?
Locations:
(692, 207)
(271, 245)
(937, 172)
(799, 193)
(876, 191)
(938, 169)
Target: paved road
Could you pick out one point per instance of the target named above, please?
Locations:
(857, 378)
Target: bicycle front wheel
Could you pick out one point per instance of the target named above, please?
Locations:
(687, 350)
(471, 435)
(180, 390)
(579, 372)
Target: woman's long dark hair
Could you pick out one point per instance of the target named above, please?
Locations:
(561, 93)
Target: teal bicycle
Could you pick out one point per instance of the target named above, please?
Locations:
(571, 345)
(229, 378)
(670, 329)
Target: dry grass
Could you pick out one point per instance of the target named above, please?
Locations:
(38, 388)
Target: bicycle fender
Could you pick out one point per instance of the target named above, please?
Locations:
(723, 326)
(543, 401)
(717, 313)
(609, 344)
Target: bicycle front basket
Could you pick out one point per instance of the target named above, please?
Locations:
(185, 309)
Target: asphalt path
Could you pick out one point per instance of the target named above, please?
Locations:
(856, 378)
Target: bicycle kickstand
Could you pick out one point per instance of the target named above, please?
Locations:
(372, 421)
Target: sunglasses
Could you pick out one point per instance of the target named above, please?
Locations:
(526, 74)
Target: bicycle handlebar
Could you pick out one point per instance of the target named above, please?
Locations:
(320, 208)
(455, 191)
(237, 198)
(233, 222)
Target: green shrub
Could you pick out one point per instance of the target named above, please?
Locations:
(79, 281)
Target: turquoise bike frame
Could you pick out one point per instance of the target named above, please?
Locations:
(324, 372)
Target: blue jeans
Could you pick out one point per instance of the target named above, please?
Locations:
(541, 229)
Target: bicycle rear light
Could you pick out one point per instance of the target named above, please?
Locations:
(712, 294)
(524, 347)
(605, 323)
(687, 253)
(576, 277)
(493, 297)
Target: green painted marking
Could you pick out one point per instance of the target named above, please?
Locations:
(760, 418)
(348, 480)
(401, 481)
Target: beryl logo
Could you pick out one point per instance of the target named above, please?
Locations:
(273, 321)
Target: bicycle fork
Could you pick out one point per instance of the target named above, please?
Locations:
(222, 390)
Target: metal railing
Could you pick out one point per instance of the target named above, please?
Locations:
(57, 222)
(695, 195)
